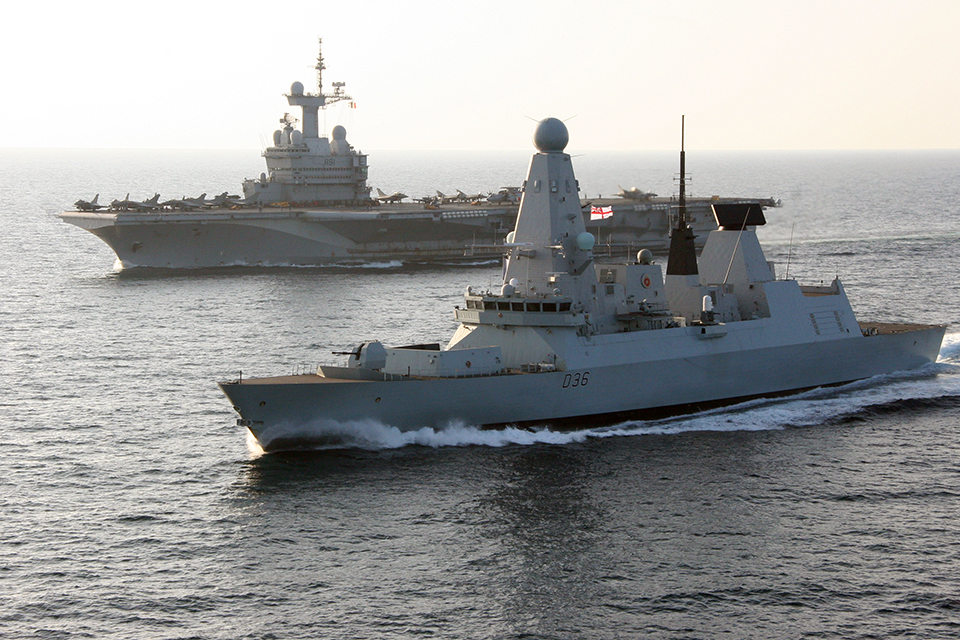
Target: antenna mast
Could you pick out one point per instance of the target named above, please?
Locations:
(320, 66)
(682, 260)
(682, 222)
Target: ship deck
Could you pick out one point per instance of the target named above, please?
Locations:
(887, 328)
(384, 210)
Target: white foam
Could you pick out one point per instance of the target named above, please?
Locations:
(950, 349)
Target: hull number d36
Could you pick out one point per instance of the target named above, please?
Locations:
(578, 379)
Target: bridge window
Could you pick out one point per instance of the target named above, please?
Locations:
(533, 306)
(549, 307)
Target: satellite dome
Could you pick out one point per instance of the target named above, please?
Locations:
(296, 137)
(296, 89)
(644, 256)
(550, 135)
(585, 241)
(339, 133)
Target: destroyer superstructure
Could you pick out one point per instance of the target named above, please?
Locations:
(566, 338)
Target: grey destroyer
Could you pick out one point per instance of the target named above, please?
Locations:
(312, 206)
(567, 338)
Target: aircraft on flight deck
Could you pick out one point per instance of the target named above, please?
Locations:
(465, 197)
(226, 200)
(92, 205)
(635, 194)
(127, 204)
(396, 196)
(444, 198)
(506, 195)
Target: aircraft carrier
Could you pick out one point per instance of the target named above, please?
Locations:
(312, 206)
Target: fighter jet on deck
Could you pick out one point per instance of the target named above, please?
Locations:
(396, 196)
(466, 197)
(506, 195)
(92, 205)
(635, 194)
(226, 200)
(147, 205)
(444, 198)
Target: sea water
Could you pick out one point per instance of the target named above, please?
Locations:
(134, 507)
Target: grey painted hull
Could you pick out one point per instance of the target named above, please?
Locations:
(218, 238)
(688, 373)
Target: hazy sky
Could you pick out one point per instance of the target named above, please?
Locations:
(764, 74)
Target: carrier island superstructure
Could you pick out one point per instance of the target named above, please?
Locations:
(312, 206)
(569, 339)
(305, 167)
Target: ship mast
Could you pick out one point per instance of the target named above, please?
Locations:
(320, 66)
(682, 219)
(682, 260)
(311, 103)
(339, 93)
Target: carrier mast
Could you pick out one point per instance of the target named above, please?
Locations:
(311, 103)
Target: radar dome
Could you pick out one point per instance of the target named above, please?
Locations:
(550, 135)
(276, 137)
(585, 241)
(339, 133)
(296, 89)
(644, 256)
(507, 290)
(296, 137)
(511, 236)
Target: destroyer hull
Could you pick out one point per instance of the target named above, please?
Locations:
(293, 410)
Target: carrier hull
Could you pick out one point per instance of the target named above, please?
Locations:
(404, 232)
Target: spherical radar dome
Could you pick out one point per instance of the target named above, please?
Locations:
(551, 135)
(296, 89)
(586, 241)
(339, 133)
